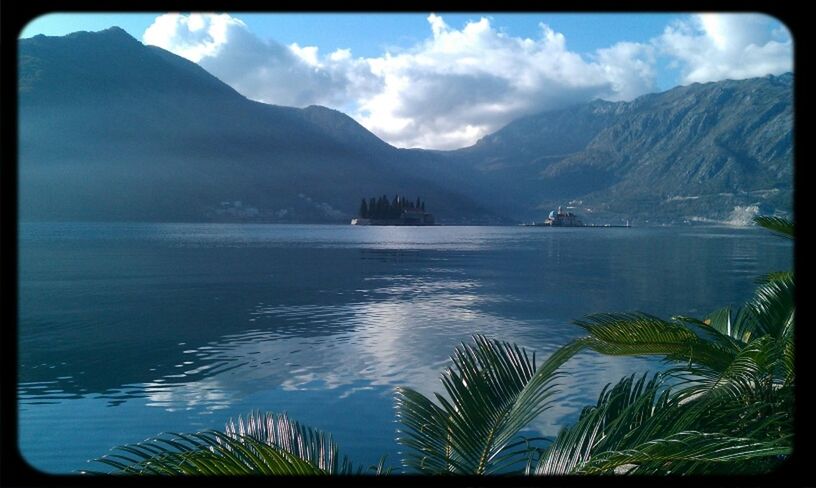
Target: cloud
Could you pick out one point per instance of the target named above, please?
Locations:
(713, 47)
(262, 70)
(194, 37)
(459, 85)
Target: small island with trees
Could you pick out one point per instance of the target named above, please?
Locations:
(399, 211)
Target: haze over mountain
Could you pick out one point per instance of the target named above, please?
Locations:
(111, 129)
(694, 151)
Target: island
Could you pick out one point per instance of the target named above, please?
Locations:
(560, 218)
(399, 211)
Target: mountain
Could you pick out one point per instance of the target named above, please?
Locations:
(111, 129)
(692, 152)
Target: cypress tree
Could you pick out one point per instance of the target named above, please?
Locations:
(364, 209)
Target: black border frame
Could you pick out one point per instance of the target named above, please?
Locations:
(14, 471)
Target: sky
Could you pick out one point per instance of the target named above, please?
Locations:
(444, 80)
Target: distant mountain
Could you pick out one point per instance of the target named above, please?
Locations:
(111, 129)
(693, 152)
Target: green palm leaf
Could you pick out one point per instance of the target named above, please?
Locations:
(736, 325)
(690, 452)
(773, 276)
(635, 334)
(639, 427)
(781, 226)
(493, 391)
(612, 422)
(773, 305)
(748, 372)
(269, 444)
(206, 453)
(278, 430)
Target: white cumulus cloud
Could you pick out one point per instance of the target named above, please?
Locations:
(262, 70)
(713, 47)
(461, 84)
(194, 37)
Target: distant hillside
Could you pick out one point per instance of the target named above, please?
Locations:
(111, 129)
(695, 151)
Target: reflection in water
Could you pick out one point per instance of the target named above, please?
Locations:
(183, 326)
(209, 394)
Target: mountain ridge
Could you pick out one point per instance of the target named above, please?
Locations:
(112, 129)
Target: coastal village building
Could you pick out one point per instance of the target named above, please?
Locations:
(562, 219)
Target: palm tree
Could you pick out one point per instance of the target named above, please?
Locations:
(725, 406)
(494, 390)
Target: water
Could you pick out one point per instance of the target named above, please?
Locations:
(129, 330)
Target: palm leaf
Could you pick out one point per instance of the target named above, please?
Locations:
(278, 430)
(639, 427)
(736, 325)
(773, 276)
(740, 380)
(205, 453)
(689, 453)
(612, 422)
(773, 305)
(492, 392)
(635, 334)
(781, 226)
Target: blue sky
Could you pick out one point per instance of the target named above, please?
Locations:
(371, 34)
(443, 80)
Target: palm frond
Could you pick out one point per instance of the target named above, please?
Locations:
(636, 334)
(779, 225)
(269, 443)
(493, 391)
(773, 305)
(307, 443)
(639, 427)
(205, 453)
(773, 276)
(740, 380)
(734, 324)
(612, 422)
(787, 363)
(687, 453)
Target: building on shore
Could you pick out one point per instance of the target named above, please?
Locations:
(562, 219)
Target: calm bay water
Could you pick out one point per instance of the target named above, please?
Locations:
(129, 330)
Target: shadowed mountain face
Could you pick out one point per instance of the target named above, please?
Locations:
(693, 151)
(111, 129)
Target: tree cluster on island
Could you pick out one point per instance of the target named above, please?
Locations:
(382, 208)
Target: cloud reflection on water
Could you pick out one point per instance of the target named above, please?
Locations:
(403, 336)
(324, 321)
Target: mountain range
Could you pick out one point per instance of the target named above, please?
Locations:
(111, 129)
